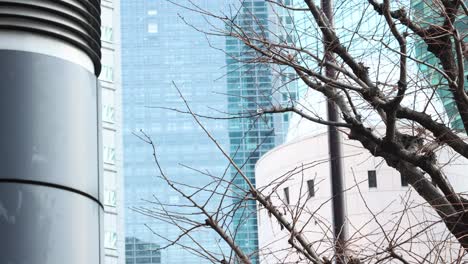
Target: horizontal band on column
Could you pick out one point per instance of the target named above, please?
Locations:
(51, 185)
(74, 21)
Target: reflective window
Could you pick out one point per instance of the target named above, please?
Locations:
(109, 155)
(138, 251)
(152, 28)
(107, 34)
(110, 197)
(108, 113)
(110, 240)
(107, 73)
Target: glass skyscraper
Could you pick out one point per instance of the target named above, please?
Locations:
(251, 87)
(159, 48)
(425, 12)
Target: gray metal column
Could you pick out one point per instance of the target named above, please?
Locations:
(340, 230)
(50, 174)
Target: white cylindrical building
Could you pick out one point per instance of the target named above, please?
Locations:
(381, 208)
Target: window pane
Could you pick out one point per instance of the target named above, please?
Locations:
(286, 195)
(372, 178)
(107, 34)
(152, 28)
(108, 113)
(107, 73)
(404, 180)
(110, 240)
(110, 197)
(311, 187)
(109, 155)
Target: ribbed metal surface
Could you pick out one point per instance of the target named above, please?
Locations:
(75, 21)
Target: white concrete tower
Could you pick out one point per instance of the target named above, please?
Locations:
(110, 80)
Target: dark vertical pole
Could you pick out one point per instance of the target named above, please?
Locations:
(335, 152)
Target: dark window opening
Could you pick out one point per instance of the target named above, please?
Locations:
(404, 180)
(372, 178)
(286, 195)
(311, 188)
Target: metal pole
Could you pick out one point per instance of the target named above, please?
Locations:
(51, 209)
(335, 152)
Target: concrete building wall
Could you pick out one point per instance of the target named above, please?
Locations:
(398, 210)
(110, 81)
(281, 168)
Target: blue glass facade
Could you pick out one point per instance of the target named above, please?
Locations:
(425, 14)
(253, 86)
(158, 48)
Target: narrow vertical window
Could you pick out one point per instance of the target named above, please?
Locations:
(286, 195)
(311, 188)
(152, 28)
(372, 178)
(110, 240)
(404, 180)
(110, 197)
